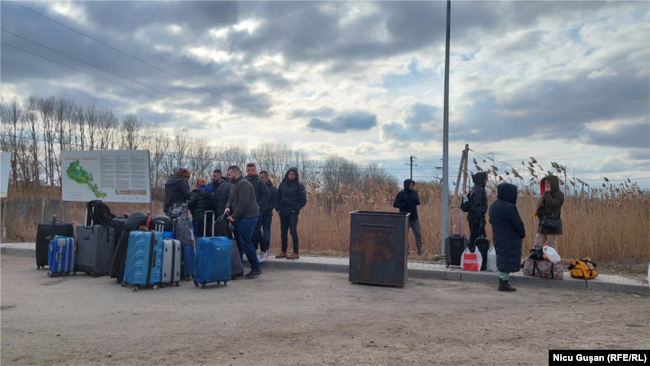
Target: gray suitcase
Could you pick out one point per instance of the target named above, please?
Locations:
(171, 263)
(94, 248)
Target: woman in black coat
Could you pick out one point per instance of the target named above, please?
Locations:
(508, 231)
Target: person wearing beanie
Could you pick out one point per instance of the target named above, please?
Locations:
(408, 200)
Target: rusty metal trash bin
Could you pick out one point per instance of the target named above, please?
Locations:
(378, 247)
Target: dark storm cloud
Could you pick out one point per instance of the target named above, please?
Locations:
(553, 109)
(353, 121)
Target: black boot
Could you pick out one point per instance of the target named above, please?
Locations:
(505, 286)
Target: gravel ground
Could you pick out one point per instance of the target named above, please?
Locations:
(303, 318)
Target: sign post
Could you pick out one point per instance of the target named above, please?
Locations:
(5, 162)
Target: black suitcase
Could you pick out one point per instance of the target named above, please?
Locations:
(483, 245)
(45, 232)
(165, 220)
(118, 262)
(118, 224)
(455, 244)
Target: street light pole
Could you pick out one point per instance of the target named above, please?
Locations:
(445, 143)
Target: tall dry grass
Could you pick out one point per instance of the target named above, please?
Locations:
(609, 229)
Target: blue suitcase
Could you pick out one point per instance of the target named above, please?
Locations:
(61, 256)
(188, 265)
(144, 259)
(213, 260)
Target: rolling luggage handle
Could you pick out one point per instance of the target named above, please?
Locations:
(205, 222)
(92, 221)
(460, 221)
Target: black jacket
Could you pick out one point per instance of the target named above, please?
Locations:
(274, 194)
(221, 196)
(553, 202)
(262, 194)
(478, 197)
(200, 201)
(215, 185)
(407, 201)
(176, 191)
(291, 195)
(507, 228)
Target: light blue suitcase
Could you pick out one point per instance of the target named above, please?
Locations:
(61, 256)
(144, 258)
(213, 260)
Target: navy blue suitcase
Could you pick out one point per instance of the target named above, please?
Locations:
(61, 256)
(144, 259)
(188, 262)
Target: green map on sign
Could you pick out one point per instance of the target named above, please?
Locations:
(79, 175)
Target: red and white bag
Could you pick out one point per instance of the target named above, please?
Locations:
(471, 261)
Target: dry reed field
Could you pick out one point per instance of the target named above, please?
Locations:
(611, 230)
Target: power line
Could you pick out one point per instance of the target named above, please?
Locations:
(99, 77)
(97, 67)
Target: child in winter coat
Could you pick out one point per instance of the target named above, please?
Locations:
(508, 231)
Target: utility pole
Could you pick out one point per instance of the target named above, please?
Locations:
(445, 140)
(413, 157)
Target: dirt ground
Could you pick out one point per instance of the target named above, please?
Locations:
(303, 318)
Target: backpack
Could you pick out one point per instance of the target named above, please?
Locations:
(99, 213)
(466, 205)
(583, 269)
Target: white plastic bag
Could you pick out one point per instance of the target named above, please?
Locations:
(491, 260)
(471, 261)
(551, 255)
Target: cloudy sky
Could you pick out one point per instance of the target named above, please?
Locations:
(560, 81)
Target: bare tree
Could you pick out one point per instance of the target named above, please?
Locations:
(80, 136)
(131, 129)
(180, 146)
(16, 138)
(31, 119)
(108, 124)
(234, 154)
(158, 145)
(48, 128)
(93, 125)
(201, 159)
(337, 171)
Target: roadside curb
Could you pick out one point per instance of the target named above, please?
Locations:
(338, 266)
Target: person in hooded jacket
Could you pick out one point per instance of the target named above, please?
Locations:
(201, 201)
(407, 200)
(263, 197)
(176, 189)
(291, 198)
(221, 198)
(508, 232)
(549, 206)
(476, 214)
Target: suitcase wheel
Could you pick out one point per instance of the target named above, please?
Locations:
(163, 285)
(135, 289)
(225, 283)
(38, 267)
(155, 287)
(177, 284)
(94, 275)
(123, 284)
(447, 266)
(49, 273)
(203, 286)
(218, 282)
(196, 284)
(74, 273)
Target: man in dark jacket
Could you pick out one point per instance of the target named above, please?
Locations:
(244, 215)
(201, 201)
(291, 198)
(549, 206)
(221, 197)
(176, 189)
(408, 200)
(263, 197)
(508, 231)
(266, 216)
(476, 214)
(216, 180)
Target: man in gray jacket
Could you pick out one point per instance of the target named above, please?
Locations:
(245, 213)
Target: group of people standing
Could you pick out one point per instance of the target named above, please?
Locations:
(507, 227)
(246, 204)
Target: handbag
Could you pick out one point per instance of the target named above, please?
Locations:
(537, 253)
(551, 224)
(543, 269)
